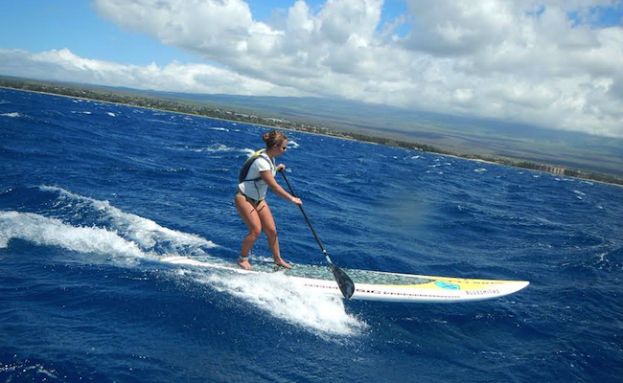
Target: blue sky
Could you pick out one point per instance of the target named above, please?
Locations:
(39, 25)
(551, 63)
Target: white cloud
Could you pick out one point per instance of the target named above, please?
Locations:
(526, 61)
(539, 62)
(63, 65)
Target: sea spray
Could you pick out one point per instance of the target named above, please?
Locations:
(144, 232)
(53, 232)
(274, 293)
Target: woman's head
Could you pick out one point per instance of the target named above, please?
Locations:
(275, 139)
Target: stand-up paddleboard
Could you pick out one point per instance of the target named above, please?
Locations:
(376, 285)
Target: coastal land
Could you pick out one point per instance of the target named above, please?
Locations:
(267, 112)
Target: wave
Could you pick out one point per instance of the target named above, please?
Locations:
(53, 232)
(275, 294)
(144, 232)
(222, 148)
(12, 115)
(128, 240)
(212, 149)
(26, 368)
(219, 148)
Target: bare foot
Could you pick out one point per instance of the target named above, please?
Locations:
(281, 263)
(244, 263)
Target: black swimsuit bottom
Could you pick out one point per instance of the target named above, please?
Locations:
(250, 200)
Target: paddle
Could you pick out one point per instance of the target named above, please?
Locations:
(346, 285)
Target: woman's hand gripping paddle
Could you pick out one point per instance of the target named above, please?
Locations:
(346, 285)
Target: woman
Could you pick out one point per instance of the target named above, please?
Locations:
(256, 177)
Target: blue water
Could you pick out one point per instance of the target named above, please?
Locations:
(94, 197)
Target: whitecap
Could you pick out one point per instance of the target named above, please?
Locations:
(25, 367)
(46, 231)
(143, 231)
(111, 114)
(12, 115)
(219, 148)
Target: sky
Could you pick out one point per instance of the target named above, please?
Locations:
(556, 64)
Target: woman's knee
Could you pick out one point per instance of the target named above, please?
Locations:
(255, 232)
(271, 232)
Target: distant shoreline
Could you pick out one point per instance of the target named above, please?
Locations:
(136, 98)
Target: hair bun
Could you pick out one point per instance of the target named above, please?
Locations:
(273, 138)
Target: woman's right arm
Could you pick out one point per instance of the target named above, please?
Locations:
(267, 176)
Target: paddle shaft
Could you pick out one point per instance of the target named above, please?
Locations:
(346, 285)
(324, 251)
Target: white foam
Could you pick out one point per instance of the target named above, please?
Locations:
(12, 114)
(273, 293)
(142, 231)
(24, 367)
(132, 240)
(111, 114)
(219, 148)
(277, 295)
(53, 232)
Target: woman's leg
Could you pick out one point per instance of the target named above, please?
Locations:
(270, 229)
(249, 215)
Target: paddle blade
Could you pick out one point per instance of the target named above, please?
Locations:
(346, 285)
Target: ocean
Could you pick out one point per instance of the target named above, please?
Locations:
(95, 197)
